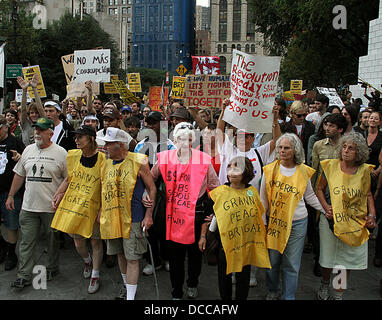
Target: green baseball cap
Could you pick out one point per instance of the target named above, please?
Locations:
(44, 124)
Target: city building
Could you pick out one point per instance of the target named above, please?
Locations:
(202, 31)
(232, 28)
(163, 34)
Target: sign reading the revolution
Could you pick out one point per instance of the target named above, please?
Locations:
(92, 65)
(206, 91)
(253, 90)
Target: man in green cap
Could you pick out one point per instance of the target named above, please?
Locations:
(49, 160)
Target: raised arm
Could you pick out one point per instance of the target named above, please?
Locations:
(276, 131)
(34, 84)
(220, 126)
(23, 85)
(89, 100)
(195, 114)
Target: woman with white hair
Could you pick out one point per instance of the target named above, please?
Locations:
(285, 188)
(187, 173)
(349, 211)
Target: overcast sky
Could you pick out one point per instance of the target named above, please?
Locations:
(203, 3)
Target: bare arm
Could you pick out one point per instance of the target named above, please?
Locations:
(220, 126)
(320, 192)
(145, 174)
(23, 85)
(199, 121)
(34, 83)
(89, 102)
(17, 183)
(57, 197)
(276, 131)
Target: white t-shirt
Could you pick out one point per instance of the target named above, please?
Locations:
(230, 151)
(309, 196)
(44, 170)
(298, 128)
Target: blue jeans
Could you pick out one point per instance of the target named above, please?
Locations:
(288, 263)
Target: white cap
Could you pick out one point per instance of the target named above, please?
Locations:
(54, 104)
(115, 135)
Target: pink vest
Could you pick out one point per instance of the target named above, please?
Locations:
(183, 184)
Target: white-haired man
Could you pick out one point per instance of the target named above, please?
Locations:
(43, 168)
(124, 178)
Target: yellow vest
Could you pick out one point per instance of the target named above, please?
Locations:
(284, 194)
(242, 231)
(348, 195)
(118, 183)
(80, 205)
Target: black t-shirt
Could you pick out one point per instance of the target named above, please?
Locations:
(375, 149)
(89, 162)
(6, 145)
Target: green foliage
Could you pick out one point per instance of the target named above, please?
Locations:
(302, 32)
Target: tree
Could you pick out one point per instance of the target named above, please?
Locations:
(63, 37)
(313, 50)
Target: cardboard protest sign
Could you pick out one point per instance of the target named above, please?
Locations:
(205, 65)
(134, 81)
(92, 65)
(296, 86)
(126, 95)
(68, 65)
(177, 87)
(206, 91)
(77, 90)
(331, 93)
(28, 73)
(109, 87)
(253, 90)
(156, 99)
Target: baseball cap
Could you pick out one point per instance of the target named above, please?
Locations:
(44, 124)
(241, 131)
(154, 115)
(112, 113)
(115, 135)
(86, 130)
(126, 108)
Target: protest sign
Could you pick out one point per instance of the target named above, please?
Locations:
(253, 90)
(177, 87)
(19, 95)
(156, 99)
(296, 86)
(109, 87)
(68, 65)
(28, 73)
(134, 81)
(331, 93)
(205, 65)
(92, 65)
(126, 95)
(206, 91)
(77, 90)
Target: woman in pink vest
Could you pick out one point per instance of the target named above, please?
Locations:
(187, 173)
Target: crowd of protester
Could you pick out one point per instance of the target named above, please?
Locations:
(43, 142)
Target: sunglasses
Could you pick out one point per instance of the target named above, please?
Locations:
(186, 126)
(300, 115)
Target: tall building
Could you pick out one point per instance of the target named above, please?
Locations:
(202, 18)
(202, 31)
(163, 34)
(231, 28)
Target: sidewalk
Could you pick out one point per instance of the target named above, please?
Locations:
(70, 284)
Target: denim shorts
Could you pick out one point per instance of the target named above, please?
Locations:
(10, 217)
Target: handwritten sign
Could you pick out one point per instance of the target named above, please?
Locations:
(155, 97)
(68, 65)
(126, 95)
(78, 90)
(109, 87)
(28, 73)
(331, 93)
(134, 81)
(177, 87)
(296, 86)
(206, 91)
(92, 65)
(253, 90)
(205, 65)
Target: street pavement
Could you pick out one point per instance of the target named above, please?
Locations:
(69, 284)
